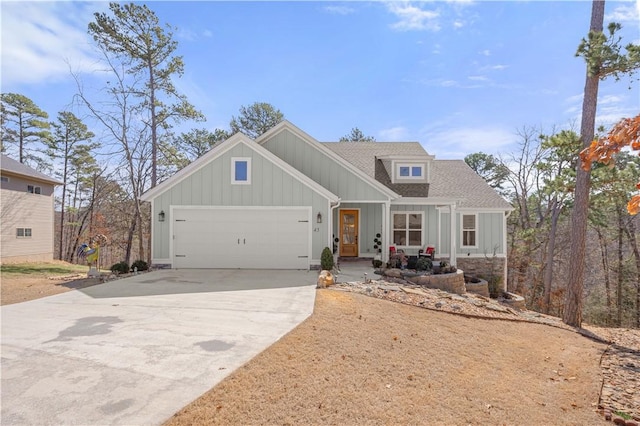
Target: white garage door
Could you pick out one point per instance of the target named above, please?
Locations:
(241, 238)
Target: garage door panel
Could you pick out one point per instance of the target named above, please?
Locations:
(247, 238)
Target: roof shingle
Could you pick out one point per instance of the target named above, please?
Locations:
(449, 178)
(12, 166)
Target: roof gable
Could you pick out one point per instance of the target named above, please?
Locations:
(368, 178)
(11, 166)
(221, 148)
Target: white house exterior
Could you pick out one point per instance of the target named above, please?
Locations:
(277, 201)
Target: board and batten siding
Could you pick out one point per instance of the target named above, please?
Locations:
(429, 224)
(211, 186)
(321, 168)
(489, 238)
(21, 209)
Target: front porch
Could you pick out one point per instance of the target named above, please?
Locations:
(369, 229)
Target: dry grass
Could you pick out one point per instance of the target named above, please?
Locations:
(360, 360)
(27, 281)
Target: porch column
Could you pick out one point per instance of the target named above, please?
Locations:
(386, 218)
(454, 245)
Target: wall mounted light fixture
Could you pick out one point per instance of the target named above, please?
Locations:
(161, 216)
(319, 218)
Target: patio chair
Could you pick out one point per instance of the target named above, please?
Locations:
(429, 252)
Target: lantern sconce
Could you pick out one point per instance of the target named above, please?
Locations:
(161, 216)
(319, 218)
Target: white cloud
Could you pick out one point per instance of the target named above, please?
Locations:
(478, 78)
(457, 143)
(458, 24)
(609, 99)
(42, 40)
(485, 52)
(339, 10)
(413, 18)
(625, 13)
(397, 133)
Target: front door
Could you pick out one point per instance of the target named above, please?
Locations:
(349, 233)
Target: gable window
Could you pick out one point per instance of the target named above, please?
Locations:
(241, 170)
(469, 231)
(410, 171)
(23, 232)
(407, 229)
(34, 189)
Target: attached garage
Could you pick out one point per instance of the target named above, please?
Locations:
(239, 207)
(247, 238)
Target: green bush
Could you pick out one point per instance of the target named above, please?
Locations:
(120, 268)
(326, 260)
(140, 264)
(424, 264)
(376, 263)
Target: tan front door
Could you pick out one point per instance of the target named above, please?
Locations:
(349, 233)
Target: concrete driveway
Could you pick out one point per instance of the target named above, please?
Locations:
(136, 350)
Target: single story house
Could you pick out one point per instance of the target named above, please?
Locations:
(277, 201)
(26, 213)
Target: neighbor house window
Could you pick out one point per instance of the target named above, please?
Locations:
(23, 232)
(407, 229)
(34, 189)
(469, 230)
(241, 171)
(4, 179)
(410, 171)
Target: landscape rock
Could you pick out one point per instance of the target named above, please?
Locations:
(325, 279)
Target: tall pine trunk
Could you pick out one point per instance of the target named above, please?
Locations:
(572, 313)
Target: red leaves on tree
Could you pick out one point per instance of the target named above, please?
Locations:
(625, 133)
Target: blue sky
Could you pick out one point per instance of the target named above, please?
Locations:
(459, 77)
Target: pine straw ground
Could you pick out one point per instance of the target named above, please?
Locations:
(360, 360)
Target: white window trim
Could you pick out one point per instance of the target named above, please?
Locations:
(406, 213)
(462, 229)
(24, 231)
(410, 166)
(235, 160)
(33, 189)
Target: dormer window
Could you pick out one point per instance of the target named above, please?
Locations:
(410, 171)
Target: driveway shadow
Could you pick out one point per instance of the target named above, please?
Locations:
(165, 282)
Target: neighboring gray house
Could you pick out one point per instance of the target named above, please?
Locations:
(276, 202)
(26, 213)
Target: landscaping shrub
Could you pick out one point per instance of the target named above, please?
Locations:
(120, 268)
(376, 263)
(495, 287)
(140, 264)
(424, 264)
(326, 259)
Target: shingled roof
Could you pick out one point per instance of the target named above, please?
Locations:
(14, 167)
(455, 179)
(449, 178)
